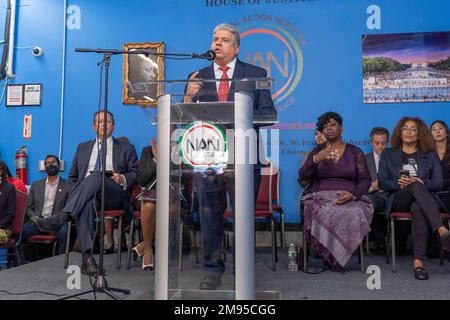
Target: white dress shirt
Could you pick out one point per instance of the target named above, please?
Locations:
(49, 197)
(218, 73)
(377, 160)
(109, 154)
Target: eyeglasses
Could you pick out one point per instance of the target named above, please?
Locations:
(51, 163)
(412, 129)
(380, 143)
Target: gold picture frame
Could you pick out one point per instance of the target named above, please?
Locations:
(138, 70)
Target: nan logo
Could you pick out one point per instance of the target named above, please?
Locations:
(203, 145)
(278, 50)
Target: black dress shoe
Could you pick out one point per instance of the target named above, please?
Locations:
(51, 224)
(89, 267)
(210, 282)
(421, 273)
(108, 250)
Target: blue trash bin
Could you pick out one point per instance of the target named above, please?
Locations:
(3, 257)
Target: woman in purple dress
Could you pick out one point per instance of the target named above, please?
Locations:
(337, 213)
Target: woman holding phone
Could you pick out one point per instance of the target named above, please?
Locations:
(410, 171)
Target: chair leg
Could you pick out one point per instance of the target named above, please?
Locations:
(367, 245)
(54, 248)
(361, 255)
(224, 247)
(305, 252)
(36, 252)
(393, 245)
(388, 241)
(274, 244)
(66, 255)
(283, 231)
(194, 239)
(131, 242)
(276, 241)
(16, 257)
(119, 245)
(180, 245)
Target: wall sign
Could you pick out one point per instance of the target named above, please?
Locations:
(32, 94)
(14, 95)
(18, 95)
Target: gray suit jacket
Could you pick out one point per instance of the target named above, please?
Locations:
(36, 197)
(370, 159)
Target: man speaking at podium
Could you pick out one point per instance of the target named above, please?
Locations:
(212, 187)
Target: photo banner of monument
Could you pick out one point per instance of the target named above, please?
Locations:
(406, 67)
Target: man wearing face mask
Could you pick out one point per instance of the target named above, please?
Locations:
(46, 198)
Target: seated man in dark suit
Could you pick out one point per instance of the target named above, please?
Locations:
(379, 139)
(86, 179)
(46, 198)
(212, 187)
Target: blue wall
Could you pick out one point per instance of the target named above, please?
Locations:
(328, 33)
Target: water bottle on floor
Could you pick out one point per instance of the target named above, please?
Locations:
(292, 254)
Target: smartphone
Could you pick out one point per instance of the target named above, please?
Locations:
(403, 173)
(108, 173)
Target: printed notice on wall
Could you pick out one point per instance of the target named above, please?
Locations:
(32, 95)
(14, 95)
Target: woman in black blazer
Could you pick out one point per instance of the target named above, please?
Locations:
(410, 171)
(440, 132)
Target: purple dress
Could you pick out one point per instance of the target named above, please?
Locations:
(335, 231)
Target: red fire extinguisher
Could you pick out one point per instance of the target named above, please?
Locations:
(20, 162)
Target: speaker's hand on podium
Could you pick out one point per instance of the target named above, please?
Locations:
(193, 87)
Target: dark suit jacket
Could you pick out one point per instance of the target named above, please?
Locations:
(124, 161)
(262, 100)
(429, 170)
(370, 159)
(36, 196)
(445, 165)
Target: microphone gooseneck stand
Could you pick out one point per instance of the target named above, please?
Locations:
(100, 284)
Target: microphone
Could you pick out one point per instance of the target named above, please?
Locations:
(208, 55)
(113, 51)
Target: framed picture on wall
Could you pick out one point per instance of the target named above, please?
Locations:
(32, 94)
(14, 95)
(139, 70)
(406, 67)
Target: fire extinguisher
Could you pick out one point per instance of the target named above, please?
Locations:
(20, 162)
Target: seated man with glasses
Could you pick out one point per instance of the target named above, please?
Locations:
(46, 198)
(410, 171)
